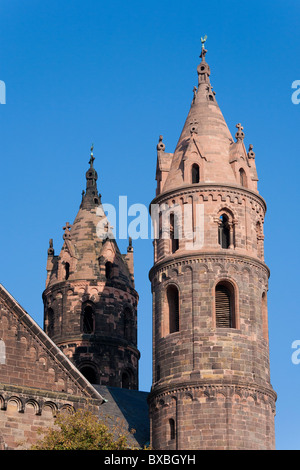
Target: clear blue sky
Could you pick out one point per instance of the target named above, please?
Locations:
(119, 74)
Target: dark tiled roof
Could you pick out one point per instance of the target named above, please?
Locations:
(130, 407)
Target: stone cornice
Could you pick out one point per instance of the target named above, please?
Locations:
(7, 390)
(188, 189)
(223, 386)
(98, 339)
(189, 258)
(96, 284)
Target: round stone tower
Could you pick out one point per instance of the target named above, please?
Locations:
(211, 376)
(90, 301)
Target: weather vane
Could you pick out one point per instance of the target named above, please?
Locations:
(203, 40)
(92, 156)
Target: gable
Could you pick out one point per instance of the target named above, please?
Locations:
(30, 359)
(110, 252)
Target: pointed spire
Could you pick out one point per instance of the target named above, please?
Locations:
(90, 197)
(206, 128)
(203, 68)
(91, 174)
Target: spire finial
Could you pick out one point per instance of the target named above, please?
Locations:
(130, 247)
(203, 50)
(240, 134)
(67, 233)
(91, 162)
(51, 249)
(91, 182)
(203, 40)
(203, 68)
(251, 154)
(161, 146)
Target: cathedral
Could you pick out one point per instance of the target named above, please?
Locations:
(211, 385)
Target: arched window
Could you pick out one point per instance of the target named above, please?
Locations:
(224, 231)
(2, 352)
(159, 224)
(172, 429)
(126, 382)
(243, 178)
(108, 270)
(157, 373)
(67, 271)
(50, 322)
(127, 327)
(173, 308)
(90, 374)
(173, 234)
(224, 305)
(88, 320)
(195, 173)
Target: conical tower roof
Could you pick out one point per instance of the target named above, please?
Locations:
(205, 133)
(83, 235)
(87, 240)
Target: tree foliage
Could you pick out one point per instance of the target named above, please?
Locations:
(83, 431)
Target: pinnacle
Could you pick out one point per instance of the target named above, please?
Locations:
(91, 198)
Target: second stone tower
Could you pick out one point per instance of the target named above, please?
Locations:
(90, 301)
